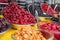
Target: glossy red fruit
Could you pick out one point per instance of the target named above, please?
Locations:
(17, 15)
(57, 36)
(3, 1)
(53, 28)
(44, 7)
(51, 11)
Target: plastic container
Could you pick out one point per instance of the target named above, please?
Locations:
(46, 34)
(56, 34)
(16, 26)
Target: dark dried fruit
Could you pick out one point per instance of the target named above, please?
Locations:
(4, 25)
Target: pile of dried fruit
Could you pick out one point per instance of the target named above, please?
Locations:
(51, 26)
(3, 1)
(4, 25)
(28, 33)
(47, 9)
(17, 15)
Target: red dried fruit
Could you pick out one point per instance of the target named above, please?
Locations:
(4, 25)
(17, 15)
(44, 7)
(3, 1)
(51, 25)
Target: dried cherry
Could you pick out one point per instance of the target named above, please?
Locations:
(3, 1)
(17, 15)
(4, 25)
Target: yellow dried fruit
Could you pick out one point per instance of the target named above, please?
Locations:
(28, 33)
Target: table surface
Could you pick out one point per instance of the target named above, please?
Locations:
(7, 35)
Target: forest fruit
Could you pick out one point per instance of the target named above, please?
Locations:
(17, 15)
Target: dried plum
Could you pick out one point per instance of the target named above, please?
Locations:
(4, 25)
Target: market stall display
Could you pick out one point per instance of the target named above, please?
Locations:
(19, 15)
(53, 27)
(27, 33)
(30, 33)
(21, 20)
(47, 9)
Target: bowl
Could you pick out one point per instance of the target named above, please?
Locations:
(16, 26)
(47, 19)
(56, 34)
(46, 34)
